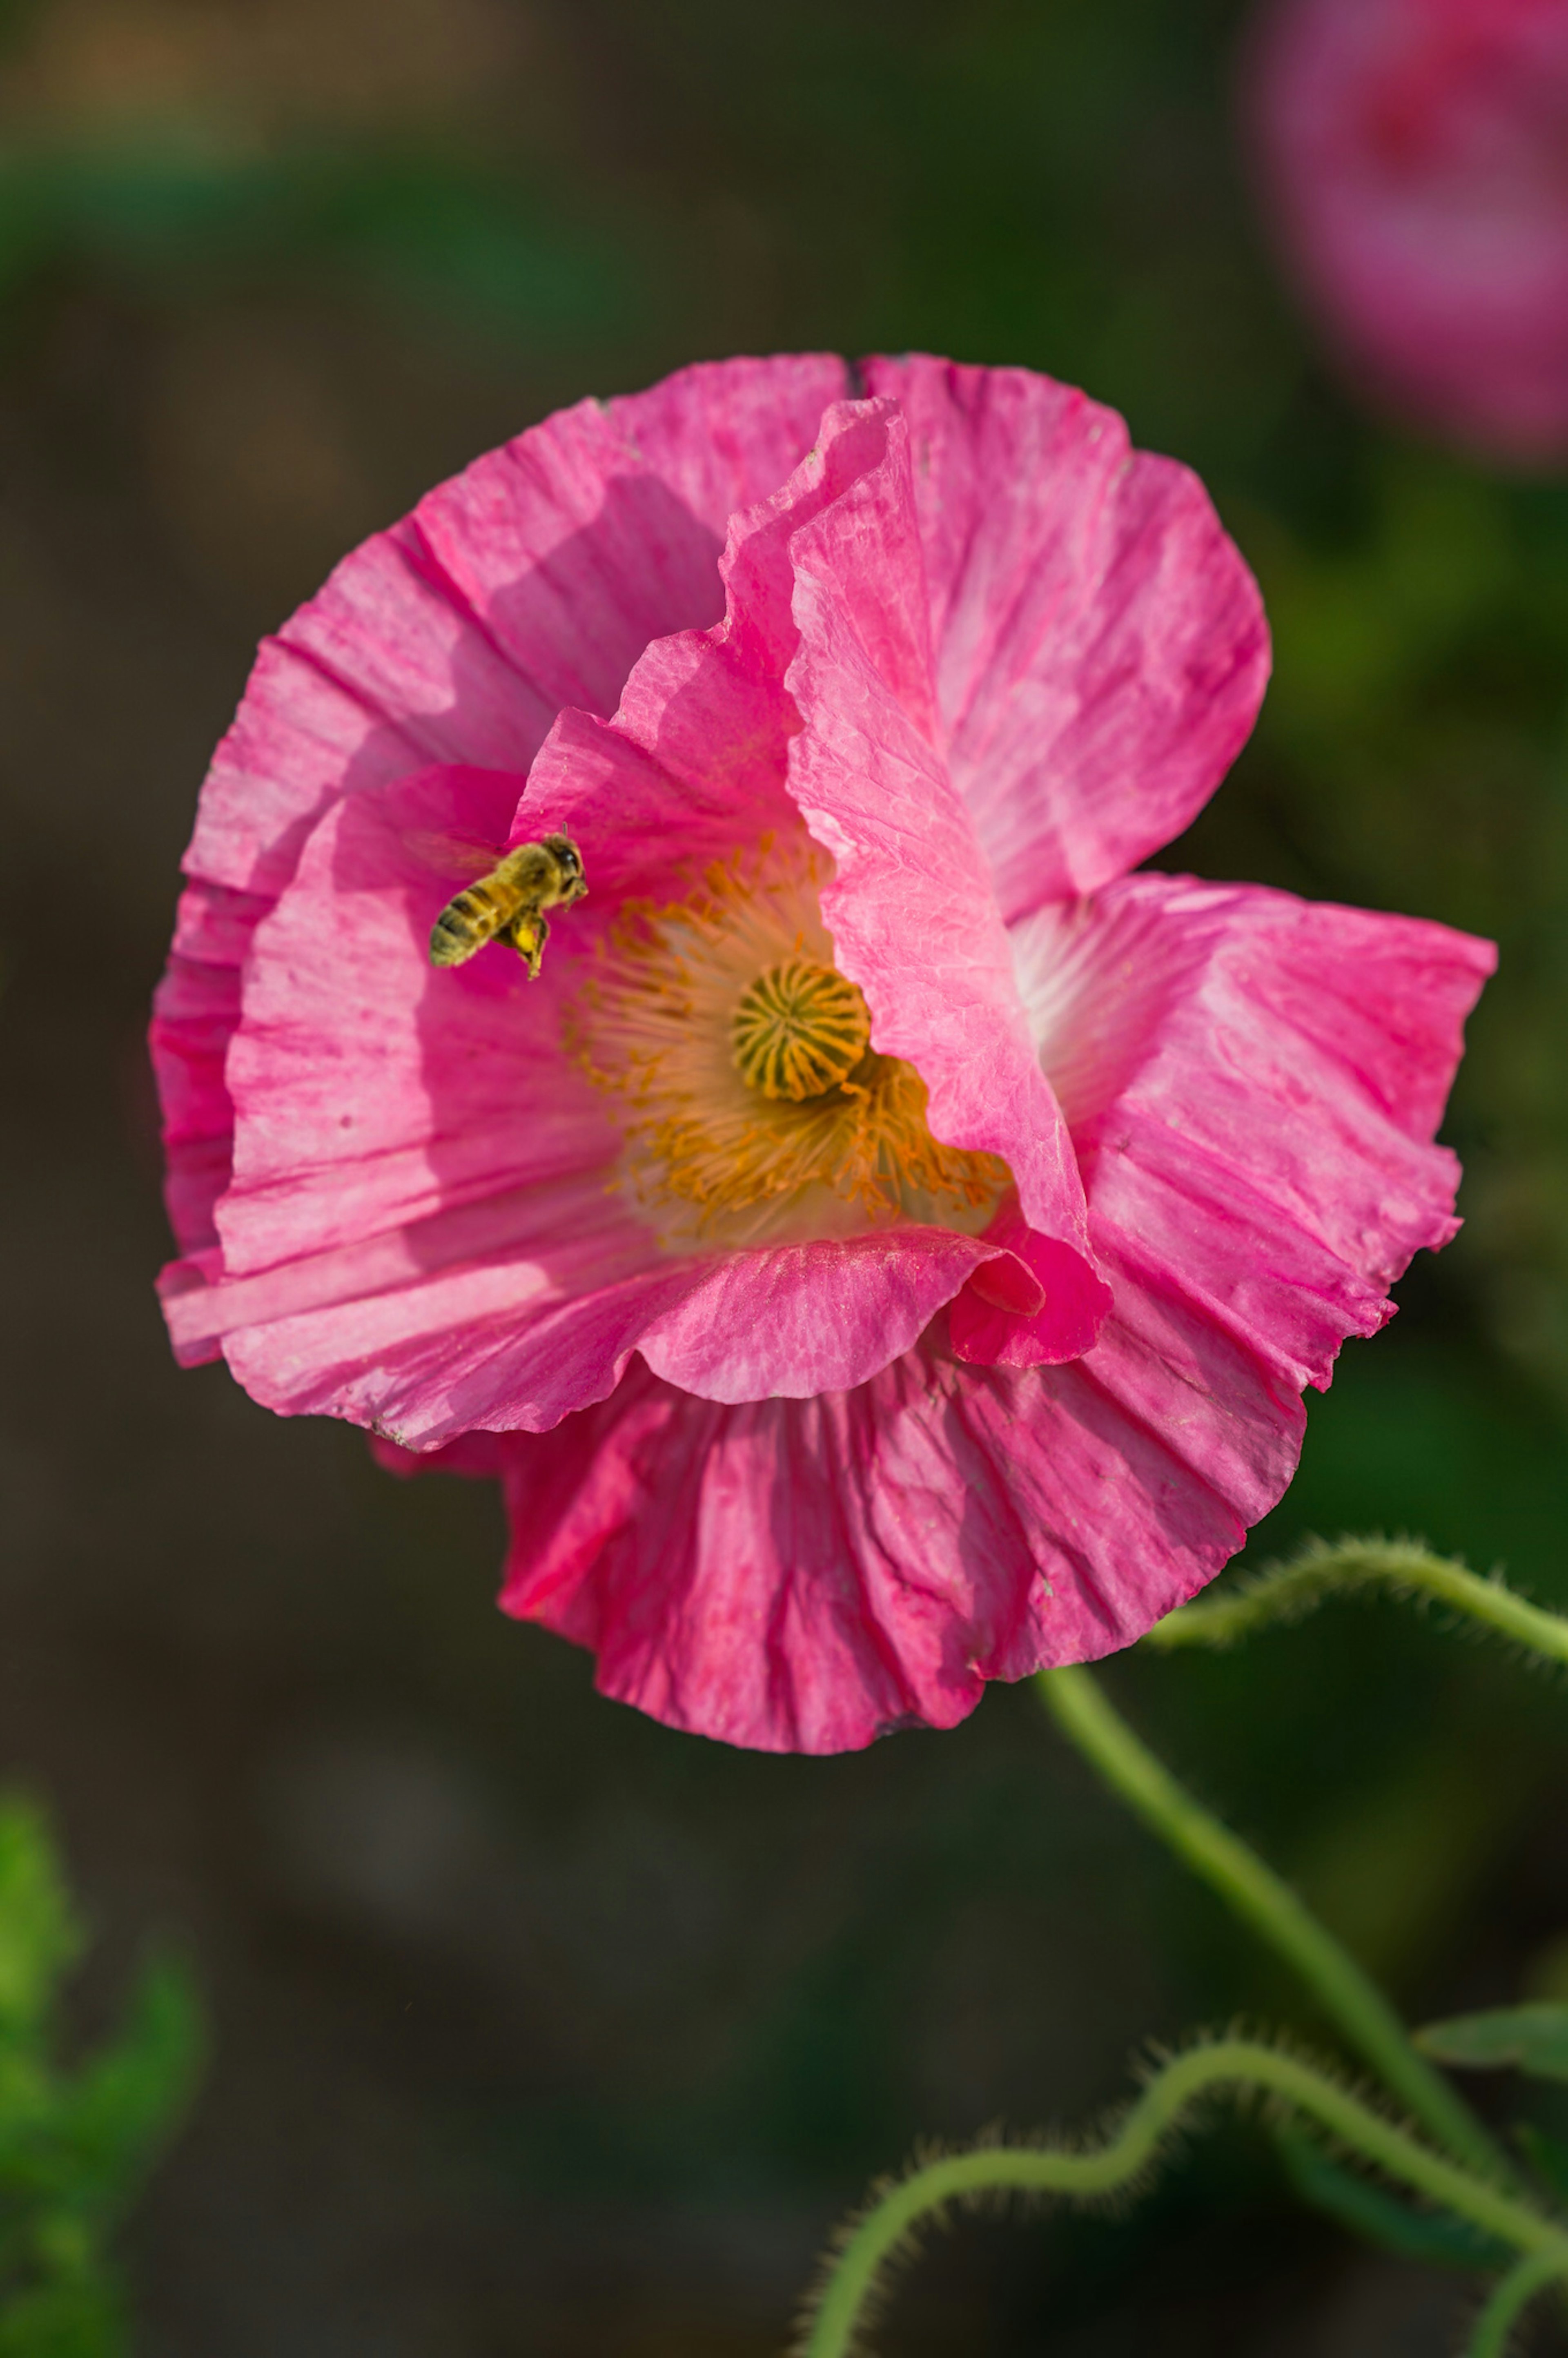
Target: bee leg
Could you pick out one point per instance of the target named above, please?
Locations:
(527, 937)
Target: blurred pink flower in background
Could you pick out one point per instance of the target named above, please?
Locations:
(979, 1342)
(1414, 155)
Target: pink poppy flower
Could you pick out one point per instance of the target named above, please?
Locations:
(884, 1248)
(1415, 153)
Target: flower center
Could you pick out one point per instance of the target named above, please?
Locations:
(799, 1030)
(752, 1105)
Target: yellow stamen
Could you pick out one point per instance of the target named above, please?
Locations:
(752, 1101)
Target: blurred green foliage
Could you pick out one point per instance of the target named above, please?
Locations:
(1530, 2039)
(76, 2140)
(172, 215)
(1377, 2216)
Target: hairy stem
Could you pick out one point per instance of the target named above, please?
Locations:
(1232, 2065)
(1263, 1900)
(1511, 2296)
(1283, 1592)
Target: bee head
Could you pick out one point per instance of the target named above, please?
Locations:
(568, 860)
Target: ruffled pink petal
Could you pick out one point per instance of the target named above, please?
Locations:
(194, 1015)
(511, 1315)
(533, 580)
(691, 769)
(1253, 1083)
(910, 909)
(1054, 1314)
(512, 1344)
(724, 434)
(1100, 647)
(481, 1456)
(695, 762)
(790, 1320)
(430, 1350)
(543, 1241)
(806, 1575)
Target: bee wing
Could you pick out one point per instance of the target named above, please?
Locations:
(455, 857)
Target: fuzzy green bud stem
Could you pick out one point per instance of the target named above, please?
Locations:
(1262, 1898)
(1231, 2066)
(1284, 1592)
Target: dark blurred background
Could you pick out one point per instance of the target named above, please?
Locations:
(539, 2028)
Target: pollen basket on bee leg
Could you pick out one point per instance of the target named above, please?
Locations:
(527, 937)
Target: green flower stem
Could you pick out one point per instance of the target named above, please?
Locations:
(1511, 2296)
(1231, 2064)
(1258, 1896)
(1286, 1591)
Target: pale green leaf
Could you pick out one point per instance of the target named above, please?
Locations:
(1532, 2039)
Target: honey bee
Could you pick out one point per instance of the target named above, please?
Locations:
(507, 900)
